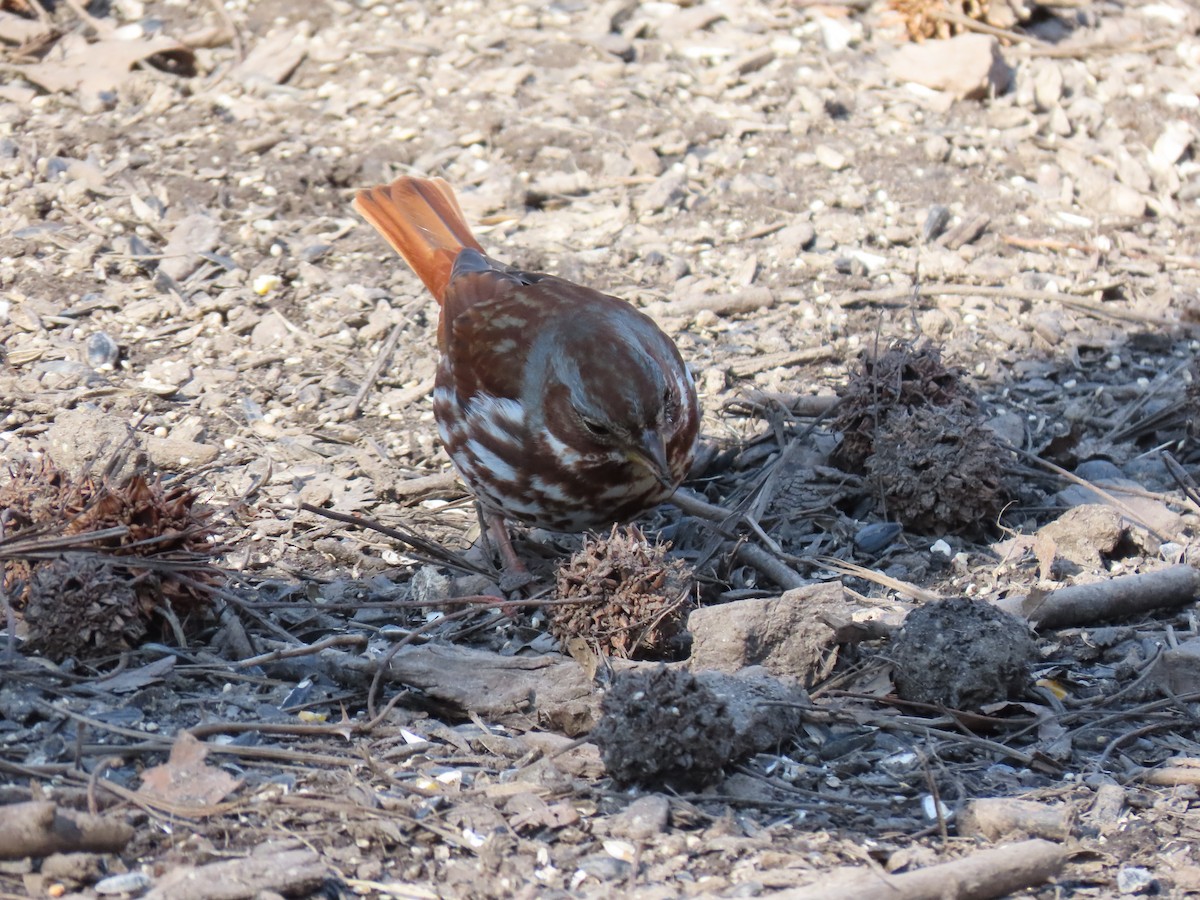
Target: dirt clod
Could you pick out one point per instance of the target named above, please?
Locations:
(664, 728)
(961, 654)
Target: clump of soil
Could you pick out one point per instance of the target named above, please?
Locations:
(961, 654)
(664, 728)
(635, 597)
(913, 426)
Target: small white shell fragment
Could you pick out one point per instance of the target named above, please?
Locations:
(125, 883)
(622, 850)
(935, 810)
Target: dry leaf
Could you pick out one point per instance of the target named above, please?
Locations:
(185, 780)
(76, 65)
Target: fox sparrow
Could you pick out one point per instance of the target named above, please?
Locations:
(561, 407)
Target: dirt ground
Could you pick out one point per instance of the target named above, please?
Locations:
(183, 282)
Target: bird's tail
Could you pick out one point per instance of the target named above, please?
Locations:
(421, 219)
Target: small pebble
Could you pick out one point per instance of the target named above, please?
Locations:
(876, 536)
(644, 819)
(264, 284)
(102, 351)
(1048, 86)
(936, 148)
(830, 158)
(1135, 880)
(1171, 144)
(935, 223)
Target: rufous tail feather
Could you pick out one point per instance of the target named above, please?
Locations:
(421, 219)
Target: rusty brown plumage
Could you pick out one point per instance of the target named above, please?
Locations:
(421, 219)
(561, 406)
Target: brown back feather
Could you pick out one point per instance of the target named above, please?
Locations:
(421, 219)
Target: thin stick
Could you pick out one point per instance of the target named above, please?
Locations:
(382, 358)
(422, 545)
(337, 640)
(967, 290)
(971, 24)
(1083, 482)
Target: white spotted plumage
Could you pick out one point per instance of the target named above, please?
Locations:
(487, 438)
(560, 406)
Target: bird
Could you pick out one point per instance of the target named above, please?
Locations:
(561, 407)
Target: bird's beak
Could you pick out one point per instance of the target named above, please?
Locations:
(651, 452)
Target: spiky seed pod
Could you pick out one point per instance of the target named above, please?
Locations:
(635, 597)
(938, 18)
(941, 470)
(902, 378)
(82, 605)
(155, 537)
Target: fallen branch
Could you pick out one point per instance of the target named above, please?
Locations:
(1177, 773)
(779, 359)
(765, 564)
(40, 827)
(763, 403)
(288, 872)
(994, 818)
(1103, 601)
(551, 690)
(983, 874)
(441, 484)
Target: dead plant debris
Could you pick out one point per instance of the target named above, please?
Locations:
(633, 597)
(924, 19)
(93, 564)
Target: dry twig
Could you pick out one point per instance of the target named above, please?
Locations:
(979, 875)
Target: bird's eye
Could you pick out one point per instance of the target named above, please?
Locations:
(596, 428)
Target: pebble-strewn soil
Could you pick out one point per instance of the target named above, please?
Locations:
(178, 256)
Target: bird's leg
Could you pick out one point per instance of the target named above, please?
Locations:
(515, 574)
